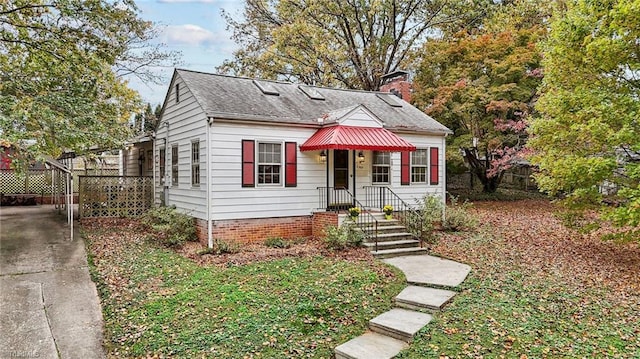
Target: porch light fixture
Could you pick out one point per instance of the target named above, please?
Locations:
(323, 156)
(361, 157)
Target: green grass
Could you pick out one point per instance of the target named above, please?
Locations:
(505, 310)
(156, 302)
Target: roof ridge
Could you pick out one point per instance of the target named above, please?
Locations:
(282, 82)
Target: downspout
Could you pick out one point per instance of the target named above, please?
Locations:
(208, 156)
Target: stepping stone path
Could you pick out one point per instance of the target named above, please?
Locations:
(392, 331)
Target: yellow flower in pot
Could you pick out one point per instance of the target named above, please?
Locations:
(388, 211)
(354, 212)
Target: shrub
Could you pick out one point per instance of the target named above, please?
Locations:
(277, 242)
(345, 236)
(457, 216)
(221, 246)
(429, 215)
(170, 227)
(422, 223)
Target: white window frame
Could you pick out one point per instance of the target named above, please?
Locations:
(162, 164)
(175, 166)
(380, 165)
(195, 164)
(416, 166)
(279, 164)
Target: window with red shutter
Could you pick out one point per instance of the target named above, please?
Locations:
(405, 168)
(248, 163)
(291, 164)
(434, 171)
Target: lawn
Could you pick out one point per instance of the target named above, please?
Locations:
(159, 303)
(537, 290)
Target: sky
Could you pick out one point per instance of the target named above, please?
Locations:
(195, 28)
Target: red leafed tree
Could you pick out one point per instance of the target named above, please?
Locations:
(482, 85)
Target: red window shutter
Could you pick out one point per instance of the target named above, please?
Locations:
(405, 168)
(248, 163)
(290, 164)
(433, 161)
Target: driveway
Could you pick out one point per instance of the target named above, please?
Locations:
(49, 307)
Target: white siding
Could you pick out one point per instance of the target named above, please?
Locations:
(231, 201)
(418, 190)
(130, 158)
(187, 122)
(360, 118)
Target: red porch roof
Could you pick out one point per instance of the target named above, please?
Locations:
(356, 138)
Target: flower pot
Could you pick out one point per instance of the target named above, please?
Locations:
(388, 216)
(353, 218)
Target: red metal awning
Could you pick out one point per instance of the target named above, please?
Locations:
(356, 138)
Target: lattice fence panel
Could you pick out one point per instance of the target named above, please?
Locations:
(114, 196)
(31, 182)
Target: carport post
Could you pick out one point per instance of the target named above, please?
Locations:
(71, 201)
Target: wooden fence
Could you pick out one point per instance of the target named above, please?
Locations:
(114, 196)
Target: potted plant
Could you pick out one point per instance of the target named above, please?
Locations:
(388, 211)
(354, 212)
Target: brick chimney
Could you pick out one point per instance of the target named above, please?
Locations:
(397, 83)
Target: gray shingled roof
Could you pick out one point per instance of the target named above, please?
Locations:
(239, 98)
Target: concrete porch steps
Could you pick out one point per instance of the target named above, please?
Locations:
(399, 252)
(404, 243)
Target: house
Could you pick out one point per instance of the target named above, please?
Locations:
(137, 157)
(252, 159)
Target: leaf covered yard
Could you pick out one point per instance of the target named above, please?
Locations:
(157, 302)
(536, 290)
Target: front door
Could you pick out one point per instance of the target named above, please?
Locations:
(341, 169)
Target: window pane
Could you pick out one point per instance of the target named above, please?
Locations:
(381, 158)
(269, 161)
(419, 157)
(380, 174)
(418, 174)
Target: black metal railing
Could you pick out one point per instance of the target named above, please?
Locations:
(378, 197)
(340, 200)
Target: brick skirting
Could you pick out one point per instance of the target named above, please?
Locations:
(256, 230)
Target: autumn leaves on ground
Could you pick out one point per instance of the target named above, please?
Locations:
(537, 290)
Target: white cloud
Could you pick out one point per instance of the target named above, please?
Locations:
(188, 34)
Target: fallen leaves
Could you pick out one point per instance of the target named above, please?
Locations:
(536, 290)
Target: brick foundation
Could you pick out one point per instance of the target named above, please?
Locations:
(256, 230)
(321, 220)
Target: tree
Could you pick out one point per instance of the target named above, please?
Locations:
(588, 134)
(481, 83)
(62, 68)
(147, 120)
(332, 42)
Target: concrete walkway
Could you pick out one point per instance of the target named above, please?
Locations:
(392, 331)
(49, 307)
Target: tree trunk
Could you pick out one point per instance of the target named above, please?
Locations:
(479, 169)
